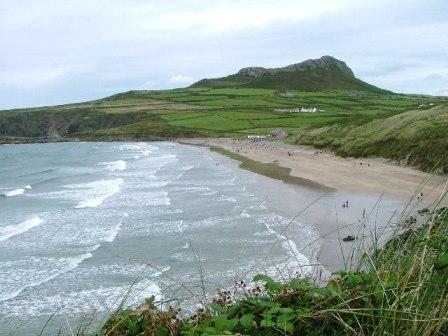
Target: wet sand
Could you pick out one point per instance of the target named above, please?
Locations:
(272, 170)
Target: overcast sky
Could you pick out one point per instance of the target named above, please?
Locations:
(61, 51)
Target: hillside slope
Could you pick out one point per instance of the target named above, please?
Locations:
(325, 73)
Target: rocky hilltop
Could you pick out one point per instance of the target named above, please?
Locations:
(328, 63)
(324, 73)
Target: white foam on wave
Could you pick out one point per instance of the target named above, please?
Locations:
(97, 192)
(39, 276)
(184, 257)
(130, 148)
(88, 195)
(155, 198)
(154, 183)
(263, 233)
(112, 233)
(244, 214)
(297, 260)
(141, 149)
(194, 189)
(114, 165)
(186, 168)
(227, 199)
(14, 230)
(179, 226)
(100, 299)
(161, 271)
(17, 192)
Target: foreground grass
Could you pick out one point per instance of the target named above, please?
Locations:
(398, 289)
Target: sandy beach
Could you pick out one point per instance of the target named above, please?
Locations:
(372, 177)
(367, 176)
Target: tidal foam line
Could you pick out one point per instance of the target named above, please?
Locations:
(114, 165)
(17, 192)
(100, 190)
(14, 230)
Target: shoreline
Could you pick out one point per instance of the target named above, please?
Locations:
(369, 176)
(345, 175)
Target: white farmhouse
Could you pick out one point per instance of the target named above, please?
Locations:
(308, 109)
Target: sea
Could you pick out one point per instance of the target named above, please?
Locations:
(87, 228)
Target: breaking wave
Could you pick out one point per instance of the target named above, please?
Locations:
(114, 165)
(17, 192)
(14, 230)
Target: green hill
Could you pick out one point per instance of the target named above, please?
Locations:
(353, 122)
(325, 73)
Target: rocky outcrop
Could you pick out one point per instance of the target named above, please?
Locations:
(324, 63)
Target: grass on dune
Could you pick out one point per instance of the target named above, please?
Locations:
(419, 137)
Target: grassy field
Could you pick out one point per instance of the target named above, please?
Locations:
(346, 121)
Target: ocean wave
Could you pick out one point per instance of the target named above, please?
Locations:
(161, 271)
(297, 260)
(244, 214)
(36, 277)
(227, 199)
(112, 234)
(149, 198)
(114, 165)
(17, 192)
(14, 230)
(179, 226)
(142, 149)
(97, 192)
(88, 195)
(199, 190)
(34, 173)
(99, 299)
(184, 257)
(163, 159)
(186, 168)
